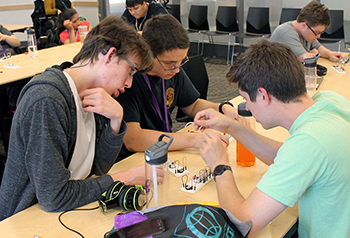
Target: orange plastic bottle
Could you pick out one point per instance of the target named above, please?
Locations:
(243, 156)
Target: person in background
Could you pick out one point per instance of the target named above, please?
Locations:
(67, 126)
(311, 168)
(150, 101)
(8, 41)
(139, 11)
(301, 35)
(68, 23)
(55, 7)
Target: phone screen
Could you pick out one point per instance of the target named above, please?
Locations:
(139, 230)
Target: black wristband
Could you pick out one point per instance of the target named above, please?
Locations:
(222, 104)
(220, 169)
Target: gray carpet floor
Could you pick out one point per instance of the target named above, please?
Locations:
(219, 89)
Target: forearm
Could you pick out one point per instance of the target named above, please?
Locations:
(72, 38)
(262, 147)
(139, 141)
(324, 52)
(200, 105)
(258, 207)
(12, 40)
(107, 149)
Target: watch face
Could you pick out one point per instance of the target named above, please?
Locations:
(219, 170)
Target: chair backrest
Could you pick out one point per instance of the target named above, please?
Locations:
(336, 29)
(226, 19)
(258, 20)
(197, 72)
(289, 14)
(174, 9)
(198, 18)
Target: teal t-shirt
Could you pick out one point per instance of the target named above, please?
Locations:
(312, 168)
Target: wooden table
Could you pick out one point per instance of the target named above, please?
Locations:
(30, 67)
(35, 221)
(16, 28)
(334, 81)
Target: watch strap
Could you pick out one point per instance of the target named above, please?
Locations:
(222, 104)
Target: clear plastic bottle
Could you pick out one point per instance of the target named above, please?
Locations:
(157, 192)
(310, 65)
(31, 43)
(243, 156)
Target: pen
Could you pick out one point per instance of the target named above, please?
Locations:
(271, 230)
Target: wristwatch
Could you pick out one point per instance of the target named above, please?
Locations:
(220, 169)
(222, 104)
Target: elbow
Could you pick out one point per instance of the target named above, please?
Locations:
(50, 207)
(17, 44)
(130, 146)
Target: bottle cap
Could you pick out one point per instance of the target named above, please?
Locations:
(242, 110)
(311, 62)
(30, 31)
(157, 153)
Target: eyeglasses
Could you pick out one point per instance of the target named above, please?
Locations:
(133, 66)
(172, 67)
(316, 34)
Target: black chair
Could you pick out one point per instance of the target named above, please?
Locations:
(258, 21)
(198, 22)
(289, 14)
(335, 32)
(174, 9)
(226, 23)
(197, 72)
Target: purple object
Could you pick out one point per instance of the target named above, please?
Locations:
(128, 219)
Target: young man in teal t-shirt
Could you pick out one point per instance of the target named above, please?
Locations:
(310, 168)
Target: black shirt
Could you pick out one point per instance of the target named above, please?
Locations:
(153, 9)
(138, 104)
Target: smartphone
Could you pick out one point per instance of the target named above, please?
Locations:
(139, 230)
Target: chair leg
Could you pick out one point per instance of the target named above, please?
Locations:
(228, 48)
(202, 45)
(233, 49)
(199, 42)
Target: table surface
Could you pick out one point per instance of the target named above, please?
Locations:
(30, 67)
(15, 27)
(35, 221)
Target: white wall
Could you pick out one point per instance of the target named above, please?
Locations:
(22, 17)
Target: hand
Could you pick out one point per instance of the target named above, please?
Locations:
(230, 111)
(136, 175)
(68, 24)
(97, 100)
(336, 56)
(212, 119)
(214, 149)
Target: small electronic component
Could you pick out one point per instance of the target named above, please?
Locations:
(176, 169)
(339, 66)
(197, 181)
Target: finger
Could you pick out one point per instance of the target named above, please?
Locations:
(92, 91)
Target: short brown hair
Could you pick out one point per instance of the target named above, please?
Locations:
(114, 31)
(315, 14)
(164, 32)
(272, 66)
